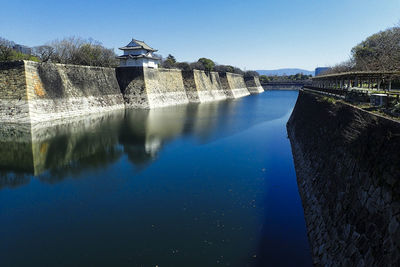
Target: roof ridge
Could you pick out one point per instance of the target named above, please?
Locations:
(133, 39)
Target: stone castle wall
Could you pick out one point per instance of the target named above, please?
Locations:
(164, 87)
(132, 85)
(347, 162)
(151, 88)
(233, 85)
(203, 86)
(13, 102)
(32, 92)
(58, 91)
(37, 92)
(237, 85)
(253, 85)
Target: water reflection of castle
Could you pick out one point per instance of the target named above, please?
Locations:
(95, 142)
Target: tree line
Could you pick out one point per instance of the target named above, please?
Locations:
(71, 50)
(378, 52)
(8, 53)
(203, 63)
(284, 78)
(78, 51)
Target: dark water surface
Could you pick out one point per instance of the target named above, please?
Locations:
(196, 185)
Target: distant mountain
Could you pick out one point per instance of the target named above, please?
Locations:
(281, 72)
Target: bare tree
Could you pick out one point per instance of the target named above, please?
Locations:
(44, 52)
(380, 51)
(78, 51)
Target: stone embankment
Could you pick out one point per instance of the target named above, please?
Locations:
(233, 85)
(203, 87)
(348, 170)
(253, 84)
(33, 92)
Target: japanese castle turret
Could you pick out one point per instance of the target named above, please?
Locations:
(138, 54)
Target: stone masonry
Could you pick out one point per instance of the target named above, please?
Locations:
(202, 86)
(33, 92)
(347, 162)
(254, 85)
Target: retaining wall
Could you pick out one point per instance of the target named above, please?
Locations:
(253, 85)
(14, 99)
(164, 87)
(151, 88)
(37, 92)
(32, 92)
(133, 89)
(202, 86)
(233, 85)
(347, 162)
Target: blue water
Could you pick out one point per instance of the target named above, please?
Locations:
(196, 185)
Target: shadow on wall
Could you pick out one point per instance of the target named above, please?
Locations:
(51, 80)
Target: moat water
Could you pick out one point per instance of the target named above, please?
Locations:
(195, 185)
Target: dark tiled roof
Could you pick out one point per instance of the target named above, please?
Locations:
(136, 44)
(137, 56)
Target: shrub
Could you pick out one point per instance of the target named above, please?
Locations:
(183, 66)
(251, 73)
(207, 63)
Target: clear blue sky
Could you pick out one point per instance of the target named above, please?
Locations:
(258, 34)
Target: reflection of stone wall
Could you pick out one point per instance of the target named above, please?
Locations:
(348, 170)
(146, 131)
(34, 150)
(16, 148)
(253, 85)
(16, 156)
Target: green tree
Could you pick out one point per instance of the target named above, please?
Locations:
(169, 62)
(6, 51)
(196, 66)
(223, 68)
(20, 56)
(207, 63)
(183, 66)
(251, 73)
(171, 59)
(380, 51)
(264, 79)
